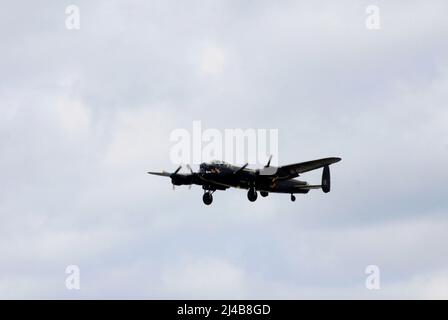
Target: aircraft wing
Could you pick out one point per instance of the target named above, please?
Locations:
(163, 173)
(307, 186)
(293, 170)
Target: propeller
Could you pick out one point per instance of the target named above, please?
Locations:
(192, 172)
(258, 171)
(268, 170)
(269, 162)
(241, 169)
(177, 170)
(174, 174)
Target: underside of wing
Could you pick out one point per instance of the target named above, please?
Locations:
(213, 184)
(309, 187)
(293, 170)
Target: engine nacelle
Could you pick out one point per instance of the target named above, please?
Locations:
(326, 179)
(180, 179)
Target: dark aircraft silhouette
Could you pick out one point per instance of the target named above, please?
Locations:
(218, 175)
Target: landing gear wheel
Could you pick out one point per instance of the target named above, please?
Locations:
(252, 195)
(264, 193)
(207, 198)
(293, 198)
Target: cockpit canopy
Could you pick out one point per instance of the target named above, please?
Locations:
(219, 162)
(209, 167)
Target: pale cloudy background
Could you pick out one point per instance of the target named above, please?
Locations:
(84, 114)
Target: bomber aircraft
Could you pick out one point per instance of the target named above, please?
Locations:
(219, 175)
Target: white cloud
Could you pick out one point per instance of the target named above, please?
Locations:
(73, 116)
(204, 278)
(213, 60)
(139, 137)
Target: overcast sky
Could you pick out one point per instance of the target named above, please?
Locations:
(85, 113)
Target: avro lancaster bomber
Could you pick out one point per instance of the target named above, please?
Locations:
(219, 175)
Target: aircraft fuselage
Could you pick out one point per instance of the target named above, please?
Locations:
(224, 175)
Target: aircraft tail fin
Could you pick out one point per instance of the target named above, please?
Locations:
(326, 182)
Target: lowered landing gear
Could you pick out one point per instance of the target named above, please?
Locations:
(293, 198)
(207, 198)
(252, 195)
